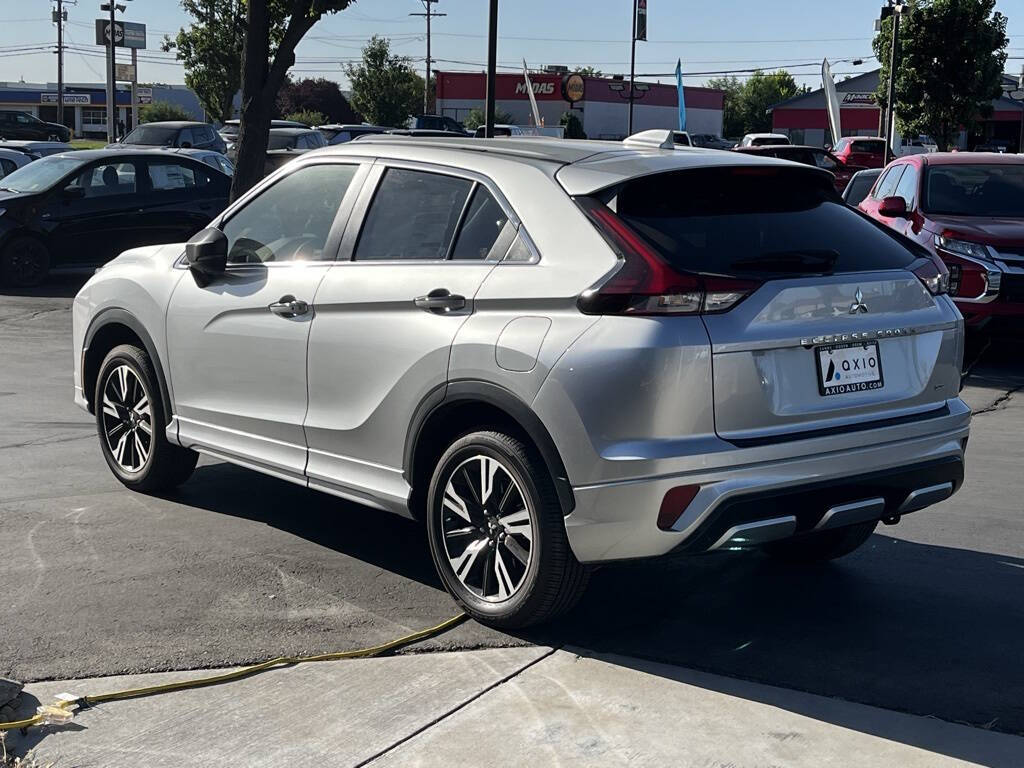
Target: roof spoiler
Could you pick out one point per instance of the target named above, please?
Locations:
(657, 138)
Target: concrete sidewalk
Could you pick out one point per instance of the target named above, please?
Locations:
(515, 706)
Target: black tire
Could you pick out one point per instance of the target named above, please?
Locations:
(823, 545)
(553, 580)
(24, 263)
(161, 465)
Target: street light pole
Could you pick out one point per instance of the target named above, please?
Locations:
(60, 61)
(111, 95)
(890, 106)
(492, 66)
(632, 72)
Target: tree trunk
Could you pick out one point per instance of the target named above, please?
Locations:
(255, 114)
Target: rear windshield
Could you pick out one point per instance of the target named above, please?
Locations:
(975, 190)
(858, 188)
(282, 141)
(765, 222)
(152, 135)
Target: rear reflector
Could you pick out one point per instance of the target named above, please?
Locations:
(674, 504)
(646, 284)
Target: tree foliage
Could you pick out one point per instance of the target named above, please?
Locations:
(476, 117)
(309, 117)
(210, 48)
(316, 95)
(573, 125)
(588, 71)
(162, 110)
(747, 103)
(951, 59)
(385, 88)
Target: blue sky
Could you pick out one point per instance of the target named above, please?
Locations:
(709, 36)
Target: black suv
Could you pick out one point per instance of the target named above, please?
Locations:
(22, 125)
(174, 134)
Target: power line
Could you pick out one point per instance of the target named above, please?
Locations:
(428, 15)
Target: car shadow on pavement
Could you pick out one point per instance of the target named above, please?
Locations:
(60, 286)
(916, 628)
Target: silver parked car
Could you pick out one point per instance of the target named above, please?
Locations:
(553, 353)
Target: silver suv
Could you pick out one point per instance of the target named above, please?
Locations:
(553, 353)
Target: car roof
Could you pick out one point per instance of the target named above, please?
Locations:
(352, 127)
(88, 155)
(31, 143)
(582, 166)
(291, 131)
(969, 158)
(766, 135)
(776, 147)
(173, 123)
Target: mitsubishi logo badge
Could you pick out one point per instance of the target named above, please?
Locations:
(858, 303)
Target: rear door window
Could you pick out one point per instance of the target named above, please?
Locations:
(887, 184)
(757, 222)
(907, 187)
(484, 221)
(413, 216)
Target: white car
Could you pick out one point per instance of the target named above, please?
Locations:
(761, 139)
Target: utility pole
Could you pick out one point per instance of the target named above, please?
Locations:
(632, 72)
(492, 67)
(426, 80)
(895, 9)
(113, 7)
(59, 16)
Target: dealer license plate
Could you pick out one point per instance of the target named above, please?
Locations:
(846, 368)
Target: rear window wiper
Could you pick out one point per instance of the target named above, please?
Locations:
(816, 262)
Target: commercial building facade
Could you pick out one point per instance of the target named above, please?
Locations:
(804, 118)
(85, 104)
(603, 110)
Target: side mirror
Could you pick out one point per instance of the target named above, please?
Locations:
(893, 208)
(207, 254)
(186, 145)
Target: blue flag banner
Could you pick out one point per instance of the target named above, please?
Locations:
(682, 100)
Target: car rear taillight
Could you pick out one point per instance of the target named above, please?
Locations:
(933, 275)
(646, 284)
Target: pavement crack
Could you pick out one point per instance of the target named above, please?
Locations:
(458, 707)
(1000, 401)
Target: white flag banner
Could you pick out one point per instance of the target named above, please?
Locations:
(533, 99)
(831, 101)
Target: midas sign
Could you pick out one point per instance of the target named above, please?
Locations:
(539, 89)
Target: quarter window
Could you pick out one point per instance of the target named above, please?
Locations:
(291, 220)
(483, 223)
(413, 216)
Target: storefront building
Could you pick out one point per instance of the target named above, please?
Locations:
(601, 106)
(804, 118)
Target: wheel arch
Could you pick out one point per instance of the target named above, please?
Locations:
(462, 406)
(107, 330)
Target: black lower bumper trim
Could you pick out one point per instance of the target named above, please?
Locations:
(809, 503)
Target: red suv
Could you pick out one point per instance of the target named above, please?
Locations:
(967, 209)
(867, 152)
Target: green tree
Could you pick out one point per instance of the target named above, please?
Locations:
(385, 88)
(210, 48)
(308, 116)
(573, 125)
(588, 72)
(476, 117)
(732, 117)
(273, 28)
(316, 95)
(951, 59)
(760, 93)
(162, 110)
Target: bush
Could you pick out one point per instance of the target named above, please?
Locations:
(308, 116)
(162, 110)
(476, 118)
(573, 126)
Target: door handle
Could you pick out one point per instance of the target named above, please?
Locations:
(440, 301)
(289, 306)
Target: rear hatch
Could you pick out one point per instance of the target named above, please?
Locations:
(829, 321)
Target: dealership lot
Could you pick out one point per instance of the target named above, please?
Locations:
(235, 567)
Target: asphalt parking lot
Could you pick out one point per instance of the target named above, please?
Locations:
(235, 567)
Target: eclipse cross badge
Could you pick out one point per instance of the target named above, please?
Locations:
(858, 303)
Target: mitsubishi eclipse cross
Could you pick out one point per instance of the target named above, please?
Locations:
(553, 353)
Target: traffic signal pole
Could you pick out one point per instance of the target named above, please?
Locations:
(492, 66)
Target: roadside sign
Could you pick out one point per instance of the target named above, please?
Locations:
(127, 34)
(69, 98)
(124, 73)
(641, 20)
(144, 95)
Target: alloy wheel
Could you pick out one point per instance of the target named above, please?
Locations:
(486, 527)
(127, 419)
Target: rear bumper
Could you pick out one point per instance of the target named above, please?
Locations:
(769, 499)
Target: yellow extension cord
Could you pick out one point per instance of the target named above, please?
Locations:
(61, 711)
